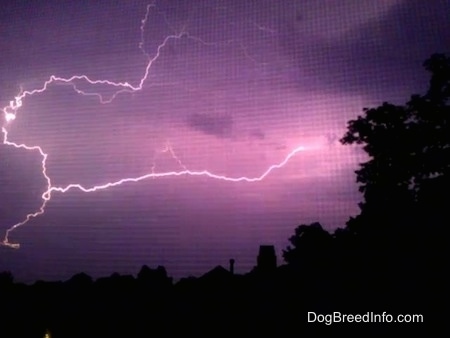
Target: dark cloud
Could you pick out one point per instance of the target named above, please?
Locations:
(220, 126)
(257, 134)
(379, 56)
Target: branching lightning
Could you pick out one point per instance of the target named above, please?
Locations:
(10, 114)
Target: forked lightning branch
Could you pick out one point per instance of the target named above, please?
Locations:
(12, 110)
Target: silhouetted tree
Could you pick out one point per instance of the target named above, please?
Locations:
(406, 180)
(154, 278)
(311, 246)
(402, 229)
(81, 280)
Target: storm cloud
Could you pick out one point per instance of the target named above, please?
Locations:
(220, 126)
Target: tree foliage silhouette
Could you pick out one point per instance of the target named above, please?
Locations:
(401, 229)
(311, 246)
(409, 148)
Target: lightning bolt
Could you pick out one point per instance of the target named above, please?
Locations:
(10, 114)
(45, 198)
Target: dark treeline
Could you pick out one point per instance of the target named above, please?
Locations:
(391, 258)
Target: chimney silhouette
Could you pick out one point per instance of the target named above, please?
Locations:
(232, 266)
(267, 259)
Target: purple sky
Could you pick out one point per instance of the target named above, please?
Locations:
(252, 81)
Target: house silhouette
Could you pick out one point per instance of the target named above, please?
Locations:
(267, 259)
